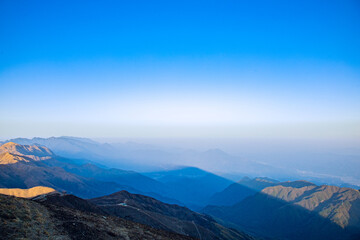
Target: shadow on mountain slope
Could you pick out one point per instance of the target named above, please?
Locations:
(270, 217)
(170, 217)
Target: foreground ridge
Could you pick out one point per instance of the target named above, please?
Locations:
(23, 218)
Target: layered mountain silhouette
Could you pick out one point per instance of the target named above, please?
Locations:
(71, 147)
(25, 166)
(127, 155)
(240, 190)
(145, 157)
(191, 185)
(153, 203)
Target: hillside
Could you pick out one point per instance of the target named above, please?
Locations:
(26, 193)
(27, 219)
(170, 217)
(240, 190)
(136, 182)
(340, 205)
(247, 187)
(284, 210)
(32, 174)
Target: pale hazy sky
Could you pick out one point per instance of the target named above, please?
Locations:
(210, 69)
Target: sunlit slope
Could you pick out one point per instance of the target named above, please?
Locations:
(340, 205)
(26, 193)
(11, 153)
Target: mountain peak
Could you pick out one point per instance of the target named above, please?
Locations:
(16, 148)
(11, 152)
(9, 145)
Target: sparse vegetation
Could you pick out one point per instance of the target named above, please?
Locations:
(26, 219)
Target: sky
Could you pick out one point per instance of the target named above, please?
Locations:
(198, 69)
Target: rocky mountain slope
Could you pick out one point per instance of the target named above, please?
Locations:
(13, 153)
(340, 205)
(236, 192)
(170, 217)
(71, 215)
(296, 210)
(28, 219)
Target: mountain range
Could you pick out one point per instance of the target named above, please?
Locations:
(325, 168)
(170, 217)
(38, 165)
(186, 201)
(25, 166)
(21, 168)
(192, 185)
(148, 158)
(88, 180)
(121, 215)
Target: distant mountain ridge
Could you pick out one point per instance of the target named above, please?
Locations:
(11, 152)
(84, 148)
(25, 166)
(142, 157)
(246, 187)
(145, 158)
(186, 185)
(259, 206)
(191, 185)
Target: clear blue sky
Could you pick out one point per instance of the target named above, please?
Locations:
(180, 68)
